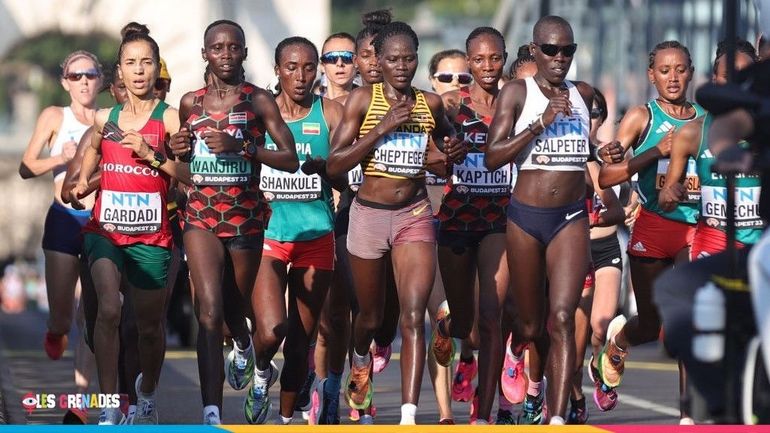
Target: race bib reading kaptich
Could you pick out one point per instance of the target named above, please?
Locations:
(472, 177)
(400, 153)
(131, 213)
(223, 169)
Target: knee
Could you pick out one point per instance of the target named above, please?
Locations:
(599, 327)
(210, 320)
(562, 321)
(412, 319)
(272, 334)
(489, 321)
(109, 313)
(529, 330)
(369, 322)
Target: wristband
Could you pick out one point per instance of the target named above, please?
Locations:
(158, 159)
(249, 149)
(540, 119)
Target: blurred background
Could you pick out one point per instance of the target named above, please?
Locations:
(613, 36)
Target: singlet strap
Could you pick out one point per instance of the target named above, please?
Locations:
(157, 112)
(115, 113)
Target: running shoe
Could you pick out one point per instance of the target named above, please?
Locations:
(578, 414)
(239, 366)
(146, 413)
(686, 421)
(505, 417)
(366, 419)
(462, 385)
(354, 415)
(211, 418)
(111, 416)
(513, 381)
(446, 421)
(256, 406)
(76, 416)
(381, 357)
(612, 358)
(326, 406)
(443, 347)
(303, 396)
(532, 410)
(54, 345)
(605, 397)
(359, 387)
(474, 415)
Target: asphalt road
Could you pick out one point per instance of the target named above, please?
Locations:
(649, 394)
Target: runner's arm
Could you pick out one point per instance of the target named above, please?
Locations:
(31, 163)
(73, 169)
(343, 153)
(502, 147)
(333, 115)
(629, 132)
(285, 156)
(683, 146)
(614, 213)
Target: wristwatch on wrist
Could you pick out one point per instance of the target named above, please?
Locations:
(158, 159)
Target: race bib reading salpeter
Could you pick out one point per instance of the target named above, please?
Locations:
(131, 213)
(563, 143)
(691, 183)
(400, 153)
(472, 177)
(222, 169)
(279, 185)
(714, 207)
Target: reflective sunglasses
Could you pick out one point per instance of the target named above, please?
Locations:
(332, 57)
(596, 113)
(91, 74)
(551, 50)
(448, 77)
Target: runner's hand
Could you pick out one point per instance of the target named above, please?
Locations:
(610, 153)
(220, 142)
(312, 165)
(134, 141)
(76, 193)
(557, 104)
(68, 151)
(181, 142)
(398, 114)
(455, 148)
(671, 196)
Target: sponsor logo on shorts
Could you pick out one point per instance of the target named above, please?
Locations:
(703, 254)
(616, 260)
(419, 210)
(639, 247)
(569, 216)
(266, 247)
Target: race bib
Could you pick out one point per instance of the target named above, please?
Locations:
(714, 207)
(564, 143)
(223, 169)
(279, 185)
(131, 213)
(400, 153)
(355, 178)
(472, 177)
(691, 183)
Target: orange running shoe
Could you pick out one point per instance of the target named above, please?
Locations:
(358, 386)
(54, 345)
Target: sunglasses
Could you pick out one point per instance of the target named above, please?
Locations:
(551, 50)
(596, 113)
(448, 77)
(332, 57)
(76, 76)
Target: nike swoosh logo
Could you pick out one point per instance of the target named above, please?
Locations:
(419, 210)
(471, 122)
(569, 216)
(199, 120)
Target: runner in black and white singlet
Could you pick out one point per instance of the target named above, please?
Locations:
(542, 124)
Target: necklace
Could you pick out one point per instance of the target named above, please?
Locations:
(686, 106)
(224, 91)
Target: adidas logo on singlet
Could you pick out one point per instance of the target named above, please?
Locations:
(707, 154)
(664, 127)
(639, 247)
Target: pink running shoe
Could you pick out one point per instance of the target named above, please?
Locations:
(473, 419)
(462, 385)
(605, 397)
(381, 356)
(315, 407)
(513, 381)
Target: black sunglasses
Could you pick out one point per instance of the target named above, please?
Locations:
(76, 76)
(448, 77)
(332, 57)
(596, 113)
(551, 50)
